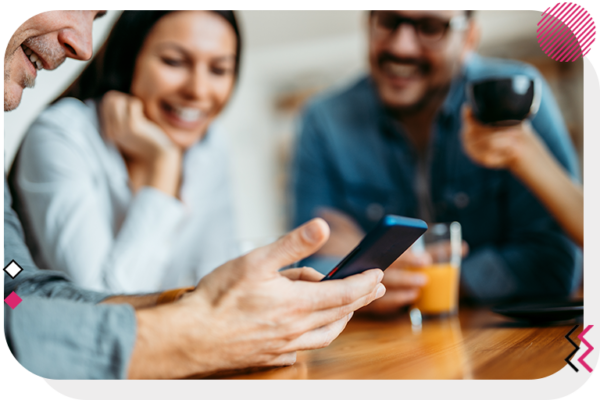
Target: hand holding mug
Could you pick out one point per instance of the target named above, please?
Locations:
(494, 146)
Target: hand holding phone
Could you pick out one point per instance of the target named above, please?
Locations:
(392, 236)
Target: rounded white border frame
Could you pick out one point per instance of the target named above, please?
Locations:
(557, 386)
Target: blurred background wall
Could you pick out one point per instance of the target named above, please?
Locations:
(288, 57)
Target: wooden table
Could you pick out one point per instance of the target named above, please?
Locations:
(476, 344)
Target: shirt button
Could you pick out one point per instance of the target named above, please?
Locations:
(375, 211)
(461, 200)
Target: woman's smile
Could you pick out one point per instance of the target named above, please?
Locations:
(183, 117)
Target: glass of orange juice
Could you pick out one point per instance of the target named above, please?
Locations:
(439, 297)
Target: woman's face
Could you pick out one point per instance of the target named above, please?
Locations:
(184, 73)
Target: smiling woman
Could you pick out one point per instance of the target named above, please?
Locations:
(192, 79)
(123, 182)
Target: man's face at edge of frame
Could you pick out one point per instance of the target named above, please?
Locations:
(409, 74)
(49, 38)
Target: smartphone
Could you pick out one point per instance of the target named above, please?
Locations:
(392, 236)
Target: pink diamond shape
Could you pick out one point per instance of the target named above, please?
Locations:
(13, 300)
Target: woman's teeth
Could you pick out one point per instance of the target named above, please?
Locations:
(187, 114)
(35, 60)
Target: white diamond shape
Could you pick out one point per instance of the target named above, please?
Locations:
(13, 269)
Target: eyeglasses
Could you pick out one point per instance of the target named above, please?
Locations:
(430, 31)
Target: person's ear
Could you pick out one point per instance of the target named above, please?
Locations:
(472, 36)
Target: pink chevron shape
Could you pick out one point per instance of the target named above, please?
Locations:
(588, 351)
(565, 32)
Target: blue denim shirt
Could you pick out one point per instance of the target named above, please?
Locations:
(353, 157)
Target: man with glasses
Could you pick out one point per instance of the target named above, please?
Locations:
(391, 144)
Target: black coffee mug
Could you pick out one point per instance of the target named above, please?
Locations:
(504, 100)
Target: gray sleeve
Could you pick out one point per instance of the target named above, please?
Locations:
(62, 339)
(58, 331)
(32, 281)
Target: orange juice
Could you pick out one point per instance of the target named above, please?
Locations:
(440, 294)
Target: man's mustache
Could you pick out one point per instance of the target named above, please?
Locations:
(51, 51)
(423, 65)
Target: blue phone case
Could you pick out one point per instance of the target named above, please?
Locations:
(392, 236)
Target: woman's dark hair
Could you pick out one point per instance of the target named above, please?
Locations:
(112, 68)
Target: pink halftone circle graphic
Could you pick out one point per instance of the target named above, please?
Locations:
(566, 32)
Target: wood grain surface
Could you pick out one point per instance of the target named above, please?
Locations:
(475, 344)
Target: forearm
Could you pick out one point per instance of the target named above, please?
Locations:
(162, 173)
(164, 348)
(152, 343)
(535, 167)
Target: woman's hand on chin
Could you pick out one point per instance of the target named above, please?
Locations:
(152, 158)
(124, 123)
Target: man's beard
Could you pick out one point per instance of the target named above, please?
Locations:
(432, 95)
(27, 81)
(9, 99)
